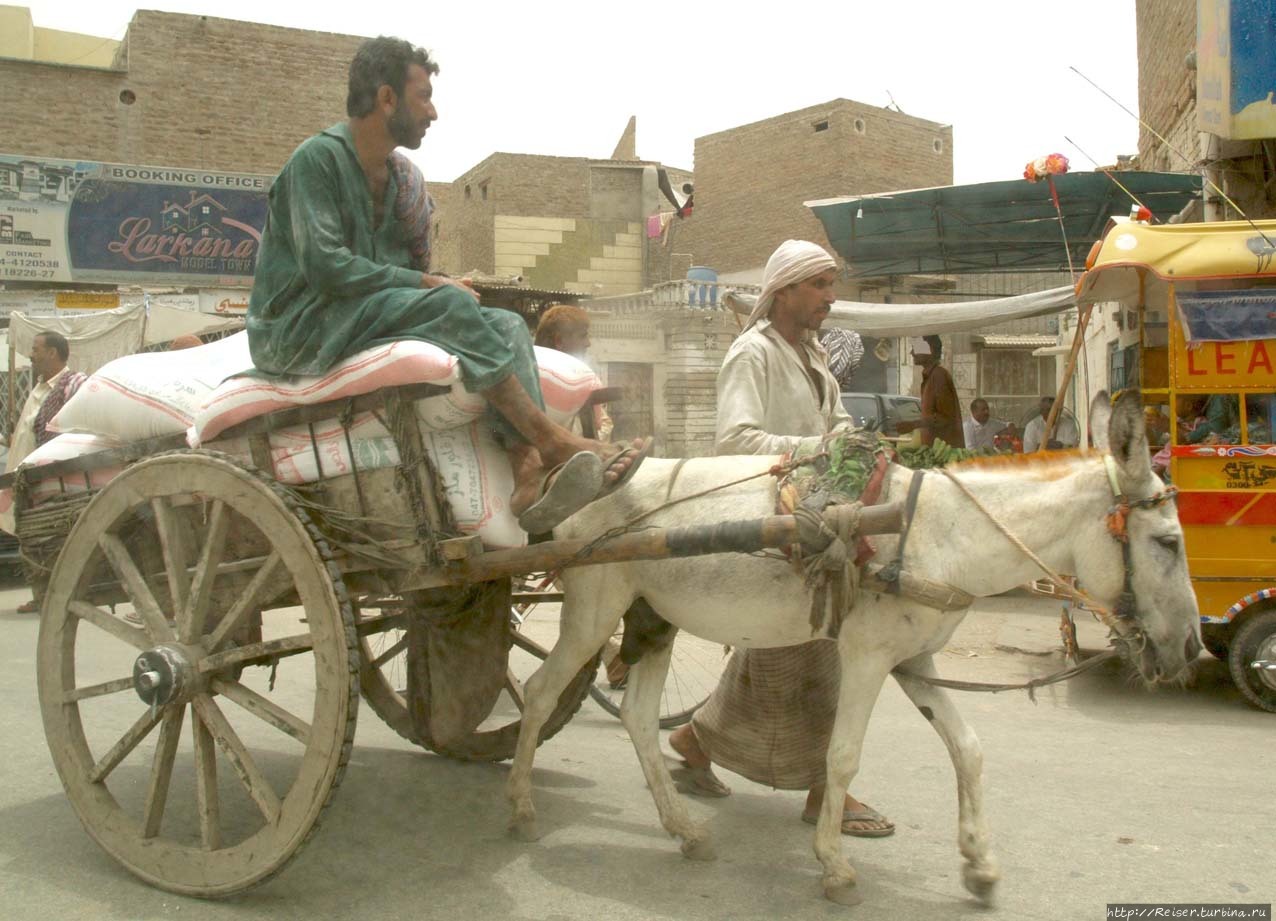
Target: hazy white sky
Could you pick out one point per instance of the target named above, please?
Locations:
(562, 78)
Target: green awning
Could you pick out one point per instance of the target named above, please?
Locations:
(990, 226)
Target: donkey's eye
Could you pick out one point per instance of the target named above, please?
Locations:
(1169, 542)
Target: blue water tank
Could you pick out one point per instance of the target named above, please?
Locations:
(703, 295)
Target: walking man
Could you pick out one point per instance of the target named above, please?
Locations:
(771, 716)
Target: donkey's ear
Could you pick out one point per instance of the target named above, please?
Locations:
(1100, 413)
(1128, 439)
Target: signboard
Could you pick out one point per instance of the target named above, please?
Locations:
(76, 221)
(1236, 68)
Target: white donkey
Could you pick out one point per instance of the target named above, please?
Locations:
(1056, 506)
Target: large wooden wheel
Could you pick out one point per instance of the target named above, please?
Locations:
(243, 658)
(383, 679)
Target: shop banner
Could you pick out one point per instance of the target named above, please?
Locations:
(76, 221)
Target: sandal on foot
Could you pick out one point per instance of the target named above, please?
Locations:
(853, 819)
(566, 489)
(638, 454)
(696, 781)
(29, 607)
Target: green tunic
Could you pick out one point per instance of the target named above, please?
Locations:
(329, 283)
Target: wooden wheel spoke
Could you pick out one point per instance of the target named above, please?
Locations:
(176, 557)
(527, 644)
(515, 689)
(112, 625)
(269, 651)
(98, 690)
(139, 592)
(263, 708)
(253, 780)
(120, 750)
(162, 770)
(206, 801)
(210, 558)
(245, 602)
(396, 648)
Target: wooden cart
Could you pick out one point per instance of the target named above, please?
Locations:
(186, 591)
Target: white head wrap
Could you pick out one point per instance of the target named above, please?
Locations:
(792, 262)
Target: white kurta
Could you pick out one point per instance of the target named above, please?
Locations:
(767, 403)
(1065, 432)
(981, 436)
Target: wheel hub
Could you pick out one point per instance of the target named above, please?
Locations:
(163, 675)
(1264, 663)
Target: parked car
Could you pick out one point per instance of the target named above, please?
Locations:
(882, 411)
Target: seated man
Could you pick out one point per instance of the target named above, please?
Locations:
(1065, 433)
(344, 266)
(981, 429)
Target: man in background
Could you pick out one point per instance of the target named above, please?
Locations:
(54, 384)
(981, 428)
(1065, 430)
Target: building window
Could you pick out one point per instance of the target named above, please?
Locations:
(822, 125)
(468, 194)
(483, 190)
(860, 126)
(128, 97)
(937, 145)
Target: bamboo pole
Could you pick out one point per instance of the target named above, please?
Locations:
(1078, 342)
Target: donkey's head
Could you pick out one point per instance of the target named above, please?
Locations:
(1139, 569)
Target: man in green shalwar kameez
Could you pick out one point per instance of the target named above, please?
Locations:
(339, 272)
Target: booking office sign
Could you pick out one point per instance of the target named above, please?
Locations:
(74, 221)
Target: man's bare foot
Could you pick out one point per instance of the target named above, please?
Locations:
(683, 740)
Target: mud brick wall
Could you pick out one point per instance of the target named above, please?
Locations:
(1167, 88)
(751, 181)
(206, 93)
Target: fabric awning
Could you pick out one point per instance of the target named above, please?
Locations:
(894, 320)
(990, 226)
(1015, 342)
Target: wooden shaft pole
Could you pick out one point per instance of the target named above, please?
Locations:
(658, 544)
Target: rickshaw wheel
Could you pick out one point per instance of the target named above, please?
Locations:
(199, 546)
(1253, 660)
(383, 680)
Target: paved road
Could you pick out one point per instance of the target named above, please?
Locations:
(1098, 792)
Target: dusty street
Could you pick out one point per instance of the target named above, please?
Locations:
(1099, 792)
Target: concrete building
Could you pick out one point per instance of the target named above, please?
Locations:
(1188, 95)
(570, 223)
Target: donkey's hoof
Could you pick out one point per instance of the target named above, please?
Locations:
(842, 891)
(699, 849)
(981, 881)
(524, 828)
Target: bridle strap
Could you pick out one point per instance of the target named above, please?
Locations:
(890, 573)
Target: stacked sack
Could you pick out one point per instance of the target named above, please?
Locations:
(204, 391)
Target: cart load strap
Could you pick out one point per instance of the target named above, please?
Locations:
(1228, 316)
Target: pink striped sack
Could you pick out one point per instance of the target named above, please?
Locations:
(152, 393)
(566, 383)
(407, 361)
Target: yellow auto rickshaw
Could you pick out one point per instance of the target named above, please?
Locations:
(1196, 304)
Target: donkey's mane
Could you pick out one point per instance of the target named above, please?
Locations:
(1041, 465)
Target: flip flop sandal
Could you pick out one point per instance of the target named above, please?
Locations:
(566, 489)
(29, 607)
(850, 816)
(638, 454)
(696, 781)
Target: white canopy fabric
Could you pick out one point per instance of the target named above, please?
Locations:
(104, 335)
(897, 320)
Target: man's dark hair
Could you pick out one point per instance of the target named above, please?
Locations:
(55, 341)
(936, 346)
(382, 61)
(977, 401)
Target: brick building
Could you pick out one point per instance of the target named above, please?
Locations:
(180, 90)
(751, 180)
(1172, 69)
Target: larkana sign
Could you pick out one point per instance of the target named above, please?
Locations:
(73, 221)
